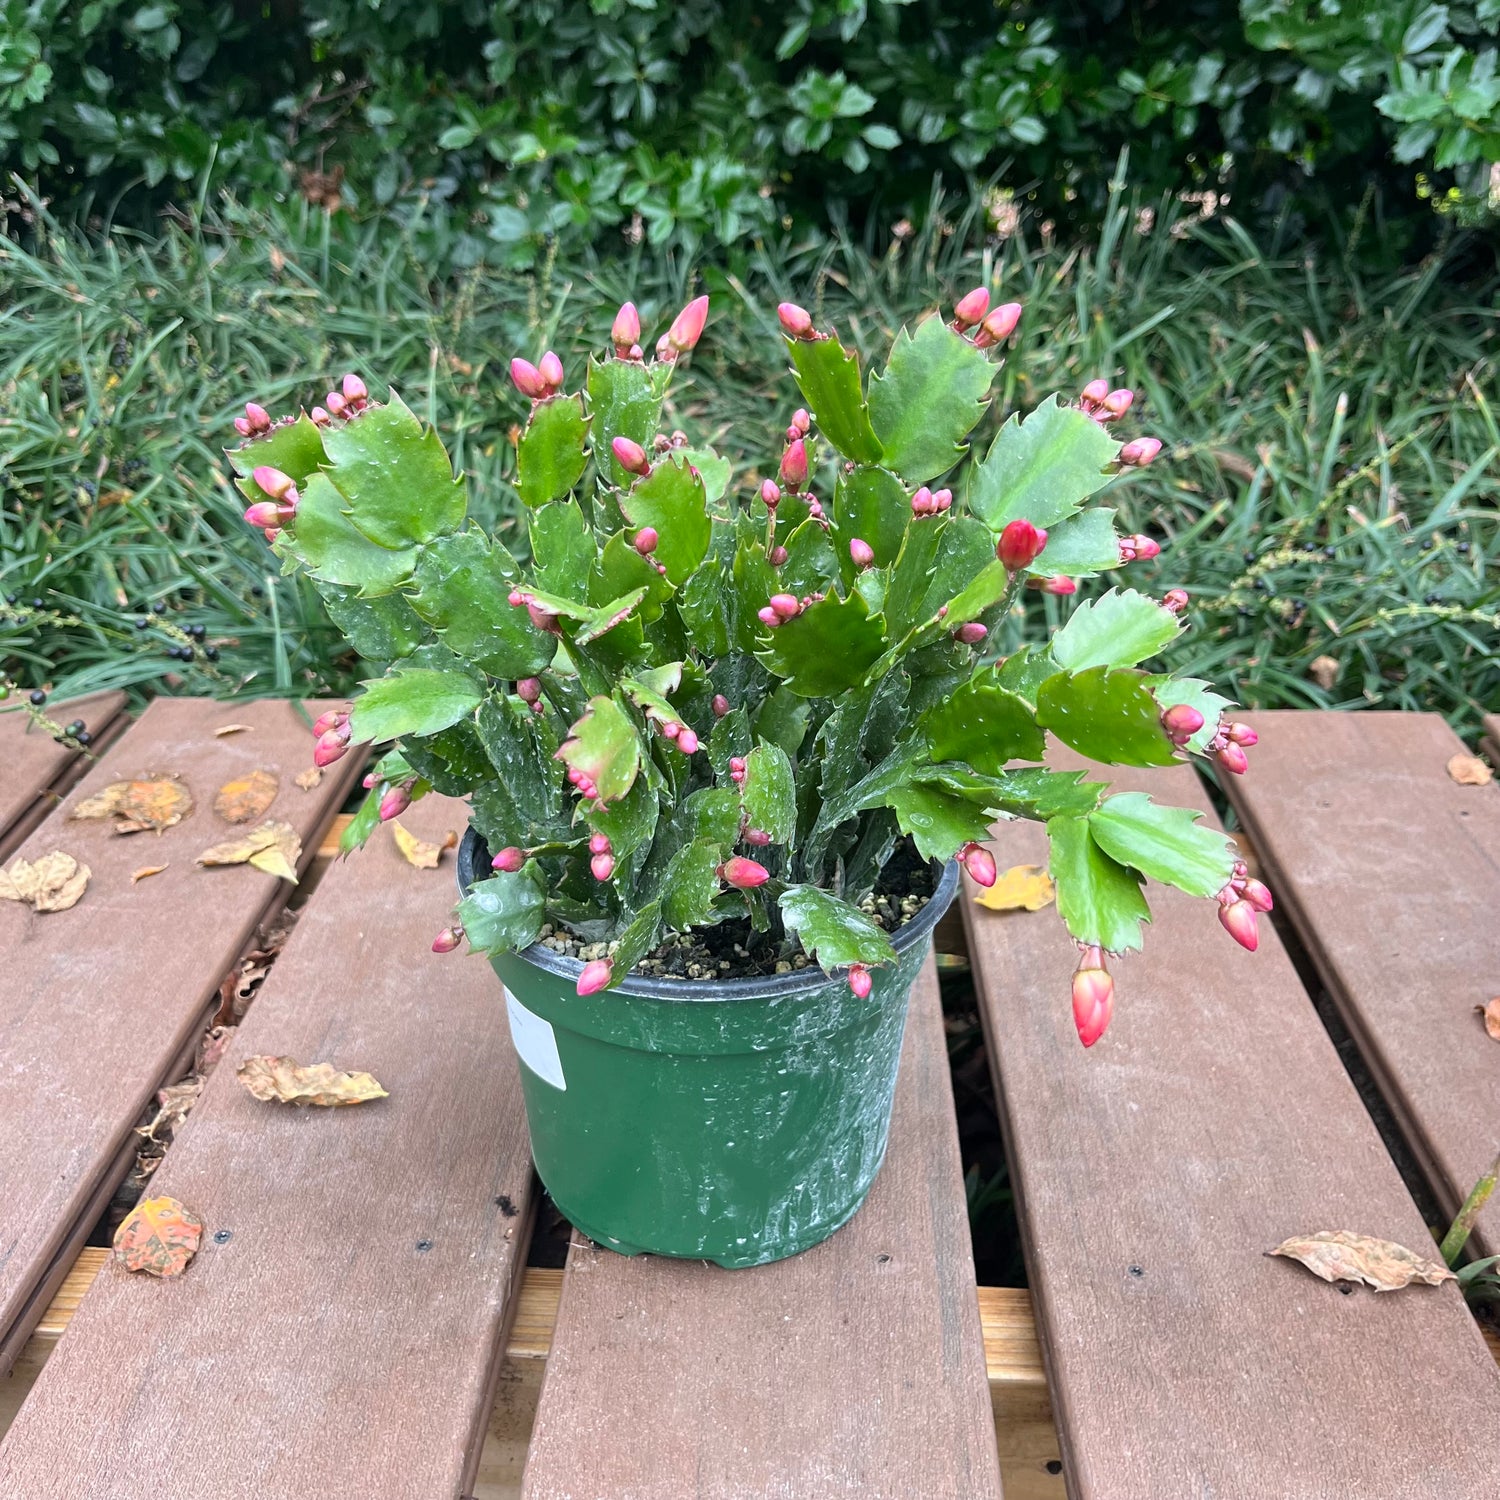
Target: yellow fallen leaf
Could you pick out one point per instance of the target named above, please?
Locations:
(417, 851)
(1469, 770)
(148, 803)
(1491, 1014)
(273, 847)
(309, 778)
(290, 1082)
(1021, 888)
(224, 729)
(1338, 1255)
(55, 882)
(158, 1236)
(246, 797)
(145, 872)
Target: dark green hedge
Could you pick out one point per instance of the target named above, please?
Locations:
(692, 121)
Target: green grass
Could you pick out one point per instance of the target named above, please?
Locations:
(1328, 490)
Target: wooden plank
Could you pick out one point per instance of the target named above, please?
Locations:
(348, 1307)
(1391, 872)
(98, 1003)
(38, 768)
(1212, 1122)
(856, 1368)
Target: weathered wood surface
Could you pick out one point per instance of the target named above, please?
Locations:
(1391, 871)
(341, 1328)
(1491, 745)
(854, 1369)
(37, 767)
(98, 1003)
(1213, 1121)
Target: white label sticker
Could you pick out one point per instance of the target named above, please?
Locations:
(535, 1042)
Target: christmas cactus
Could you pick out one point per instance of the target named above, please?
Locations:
(703, 697)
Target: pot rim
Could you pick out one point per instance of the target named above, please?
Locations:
(472, 857)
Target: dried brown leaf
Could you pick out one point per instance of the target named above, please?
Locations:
(1021, 888)
(416, 851)
(309, 778)
(1469, 770)
(145, 872)
(1491, 1014)
(247, 797)
(1338, 1255)
(273, 847)
(150, 803)
(173, 1104)
(291, 1082)
(1324, 670)
(55, 882)
(159, 1236)
(224, 729)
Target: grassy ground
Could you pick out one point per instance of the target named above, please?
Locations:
(1329, 500)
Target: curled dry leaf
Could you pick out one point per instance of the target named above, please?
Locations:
(1021, 888)
(246, 797)
(145, 872)
(1338, 1255)
(148, 803)
(158, 1236)
(417, 851)
(309, 778)
(1469, 770)
(273, 847)
(54, 883)
(1491, 1014)
(291, 1082)
(224, 729)
(1324, 670)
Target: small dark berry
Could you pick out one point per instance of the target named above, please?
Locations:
(188, 653)
(197, 631)
(1432, 599)
(76, 728)
(1463, 549)
(10, 598)
(1429, 544)
(37, 604)
(258, 591)
(211, 652)
(142, 623)
(84, 737)
(1262, 586)
(1309, 546)
(159, 608)
(1249, 557)
(1330, 552)
(38, 697)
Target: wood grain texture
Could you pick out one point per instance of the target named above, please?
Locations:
(36, 766)
(97, 1003)
(1391, 872)
(1213, 1121)
(341, 1328)
(854, 1369)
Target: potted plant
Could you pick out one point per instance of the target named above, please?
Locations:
(727, 738)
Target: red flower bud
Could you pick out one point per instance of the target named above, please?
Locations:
(1242, 734)
(266, 513)
(785, 605)
(646, 540)
(861, 553)
(257, 416)
(758, 837)
(998, 325)
(970, 634)
(529, 689)
(770, 494)
(794, 464)
(1139, 452)
(737, 763)
(603, 866)
(1058, 585)
(627, 330)
(921, 503)
(331, 719)
(1175, 601)
(687, 742)
(1181, 722)
(528, 379)
(1238, 919)
(721, 705)
(630, 456)
(802, 419)
(550, 369)
(971, 308)
(395, 802)
(448, 939)
(509, 859)
(687, 326)
(1232, 758)
(329, 748)
(355, 389)
(795, 321)
(1020, 545)
(744, 874)
(860, 982)
(1258, 896)
(595, 976)
(979, 862)
(1093, 997)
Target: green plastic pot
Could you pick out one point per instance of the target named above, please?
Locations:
(735, 1121)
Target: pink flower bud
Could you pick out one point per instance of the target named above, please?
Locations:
(646, 540)
(448, 939)
(1093, 393)
(1117, 403)
(1058, 585)
(257, 416)
(785, 605)
(1232, 758)
(370, 778)
(1175, 601)
(331, 719)
(1181, 722)
(265, 513)
(802, 420)
(529, 689)
(630, 456)
(515, 598)
(777, 556)
(336, 403)
(921, 503)
(1242, 734)
(599, 844)
(970, 634)
(998, 325)
(276, 484)
(627, 330)
(550, 369)
(670, 729)
(509, 859)
(768, 617)
(744, 874)
(1258, 896)
(758, 837)
(721, 705)
(796, 321)
(243, 427)
(528, 379)
(543, 619)
(1238, 919)
(1144, 547)
(979, 862)
(395, 802)
(942, 499)
(355, 389)
(320, 418)
(687, 742)
(737, 763)
(815, 507)
(971, 308)
(329, 748)
(1139, 452)
(1020, 545)
(770, 494)
(794, 464)
(687, 326)
(1093, 997)
(595, 976)
(860, 982)
(861, 553)
(602, 866)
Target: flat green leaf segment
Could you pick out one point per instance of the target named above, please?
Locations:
(460, 586)
(828, 378)
(604, 747)
(1100, 901)
(1164, 843)
(834, 933)
(1114, 630)
(985, 725)
(1082, 545)
(937, 814)
(1110, 716)
(506, 911)
(295, 449)
(768, 794)
(928, 400)
(691, 884)
(415, 701)
(1041, 470)
(394, 476)
(562, 549)
(624, 401)
(672, 500)
(827, 648)
(872, 504)
(552, 454)
(327, 544)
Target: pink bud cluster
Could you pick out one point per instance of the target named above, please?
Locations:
(1228, 746)
(998, 325)
(331, 735)
(684, 738)
(1104, 405)
(1138, 548)
(602, 860)
(255, 421)
(979, 862)
(1174, 601)
(541, 617)
(397, 799)
(348, 401)
(1181, 722)
(784, 607)
(686, 330)
(928, 502)
(540, 380)
(271, 515)
(1240, 904)
(529, 691)
(1020, 545)
(801, 424)
(737, 769)
(1093, 996)
(509, 860)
